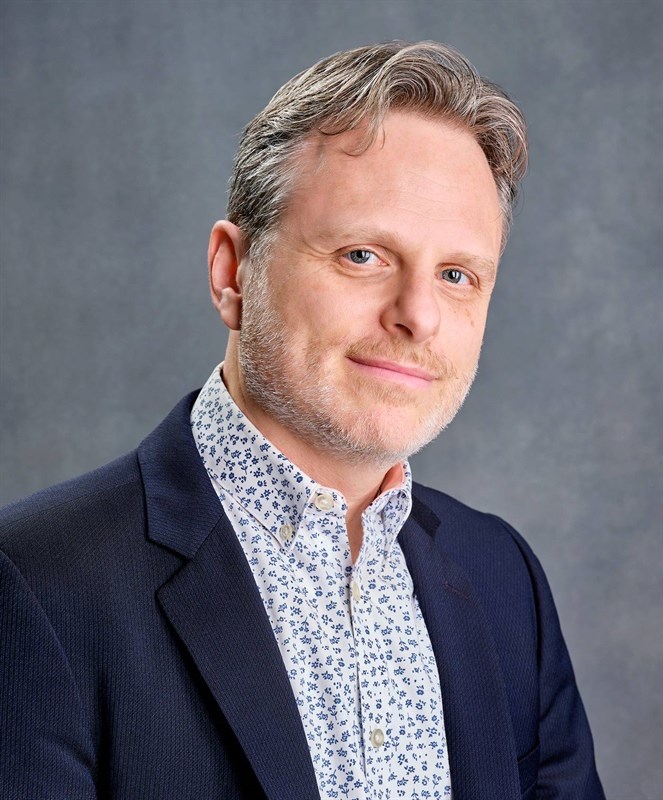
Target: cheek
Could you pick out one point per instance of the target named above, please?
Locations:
(476, 325)
(462, 335)
(329, 317)
(312, 331)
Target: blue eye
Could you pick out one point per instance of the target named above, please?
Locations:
(360, 256)
(454, 276)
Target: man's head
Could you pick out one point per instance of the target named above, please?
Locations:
(367, 213)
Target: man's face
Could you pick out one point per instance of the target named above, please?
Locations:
(361, 333)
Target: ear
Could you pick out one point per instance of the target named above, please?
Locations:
(226, 257)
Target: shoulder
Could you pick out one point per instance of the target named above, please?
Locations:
(98, 486)
(94, 528)
(495, 556)
(78, 518)
(101, 495)
(467, 529)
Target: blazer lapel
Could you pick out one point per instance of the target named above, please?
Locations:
(215, 608)
(477, 722)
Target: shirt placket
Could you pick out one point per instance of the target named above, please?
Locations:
(373, 676)
(322, 568)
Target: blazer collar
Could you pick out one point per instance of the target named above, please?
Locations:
(214, 607)
(479, 732)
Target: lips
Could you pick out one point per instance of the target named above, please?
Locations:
(395, 371)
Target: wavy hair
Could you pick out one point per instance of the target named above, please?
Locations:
(359, 87)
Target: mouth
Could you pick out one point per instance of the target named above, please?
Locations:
(405, 374)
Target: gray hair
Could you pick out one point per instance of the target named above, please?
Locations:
(359, 87)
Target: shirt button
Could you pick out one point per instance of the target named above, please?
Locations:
(356, 591)
(323, 502)
(377, 738)
(286, 532)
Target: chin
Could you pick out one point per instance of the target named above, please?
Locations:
(382, 439)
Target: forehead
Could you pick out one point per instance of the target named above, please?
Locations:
(425, 175)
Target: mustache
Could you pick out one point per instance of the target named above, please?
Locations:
(403, 353)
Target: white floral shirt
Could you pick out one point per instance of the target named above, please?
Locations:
(352, 637)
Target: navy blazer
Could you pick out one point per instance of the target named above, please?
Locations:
(137, 661)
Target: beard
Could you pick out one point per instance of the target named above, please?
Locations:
(301, 391)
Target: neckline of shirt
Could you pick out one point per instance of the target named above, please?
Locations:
(245, 466)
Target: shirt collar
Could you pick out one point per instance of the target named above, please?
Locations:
(242, 463)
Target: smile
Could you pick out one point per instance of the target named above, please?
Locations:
(404, 374)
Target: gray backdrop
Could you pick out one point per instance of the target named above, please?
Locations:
(119, 122)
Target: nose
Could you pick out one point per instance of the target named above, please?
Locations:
(413, 310)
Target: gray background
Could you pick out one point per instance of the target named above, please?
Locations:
(119, 122)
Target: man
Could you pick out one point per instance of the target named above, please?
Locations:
(259, 602)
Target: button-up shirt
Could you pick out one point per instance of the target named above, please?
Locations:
(352, 637)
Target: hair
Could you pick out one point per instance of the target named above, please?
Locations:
(358, 88)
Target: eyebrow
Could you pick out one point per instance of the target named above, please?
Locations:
(393, 241)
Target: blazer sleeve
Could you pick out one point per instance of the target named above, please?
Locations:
(567, 768)
(46, 750)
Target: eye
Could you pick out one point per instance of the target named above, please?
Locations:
(453, 275)
(361, 257)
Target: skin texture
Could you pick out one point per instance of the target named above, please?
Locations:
(357, 340)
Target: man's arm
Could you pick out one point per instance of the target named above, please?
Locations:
(566, 757)
(46, 750)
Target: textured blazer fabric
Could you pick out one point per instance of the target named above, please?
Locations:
(137, 661)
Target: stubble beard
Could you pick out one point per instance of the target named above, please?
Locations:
(313, 409)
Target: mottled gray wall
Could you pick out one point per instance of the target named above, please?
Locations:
(119, 122)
